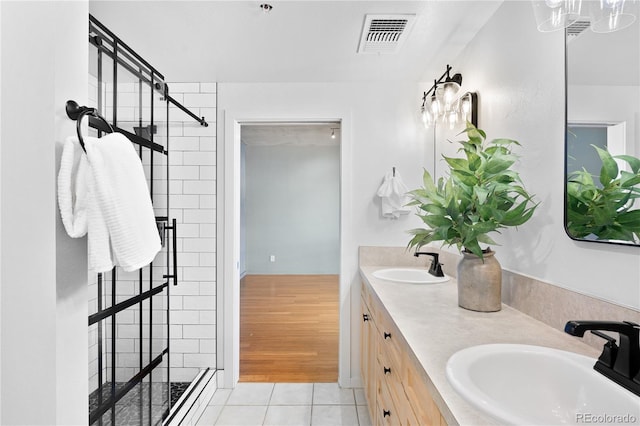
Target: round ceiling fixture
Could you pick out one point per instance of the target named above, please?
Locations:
(266, 7)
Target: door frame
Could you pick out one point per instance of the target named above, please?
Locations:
(228, 241)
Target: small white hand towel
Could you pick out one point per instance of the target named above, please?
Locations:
(123, 198)
(393, 194)
(78, 206)
(72, 189)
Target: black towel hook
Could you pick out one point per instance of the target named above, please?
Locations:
(77, 112)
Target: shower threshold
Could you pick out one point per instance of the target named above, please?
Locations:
(194, 400)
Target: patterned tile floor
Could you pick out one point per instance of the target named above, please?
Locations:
(135, 407)
(281, 404)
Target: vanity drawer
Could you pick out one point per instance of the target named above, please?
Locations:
(394, 408)
(390, 338)
(386, 412)
(391, 374)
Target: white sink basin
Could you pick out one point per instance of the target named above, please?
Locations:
(409, 275)
(534, 385)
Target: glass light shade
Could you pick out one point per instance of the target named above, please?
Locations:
(434, 105)
(449, 91)
(612, 15)
(427, 118)
(553, 15)
(452, 118)
(465, 106)
(573, 8)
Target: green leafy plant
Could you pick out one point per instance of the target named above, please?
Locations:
(480, 195)
(605, 211)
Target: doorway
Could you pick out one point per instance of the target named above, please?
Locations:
(289, 252)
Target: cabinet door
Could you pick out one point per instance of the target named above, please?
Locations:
(415, 386)
(368, 348)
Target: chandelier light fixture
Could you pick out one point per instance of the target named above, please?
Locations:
(605, 16)
(442, 103)
(552, 15)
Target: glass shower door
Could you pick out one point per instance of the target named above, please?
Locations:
(129, 311)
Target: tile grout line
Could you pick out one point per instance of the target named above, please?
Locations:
(355, 404)
(313, 392)
(215, 421)
(273, 389)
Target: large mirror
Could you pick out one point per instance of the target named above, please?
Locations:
(602, 146)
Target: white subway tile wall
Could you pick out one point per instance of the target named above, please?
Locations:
(192, 188)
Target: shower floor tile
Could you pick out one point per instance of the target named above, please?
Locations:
(143, 404)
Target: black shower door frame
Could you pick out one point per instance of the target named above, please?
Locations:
(110, 391)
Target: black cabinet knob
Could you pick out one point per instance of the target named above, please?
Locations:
(387, 335)
(386, 413)
(386, 370)
(365, 317)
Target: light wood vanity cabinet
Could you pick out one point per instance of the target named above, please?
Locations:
(395, 384)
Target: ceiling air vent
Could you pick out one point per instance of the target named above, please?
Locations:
(384, 33)
(576, 28)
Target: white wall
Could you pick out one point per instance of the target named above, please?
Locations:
(44, 311)
(519, 74)
(292, 209)
(71, 82)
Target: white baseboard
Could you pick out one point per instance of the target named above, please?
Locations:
(350, 382)
(220, 377)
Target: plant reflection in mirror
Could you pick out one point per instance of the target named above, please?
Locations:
(605, 210)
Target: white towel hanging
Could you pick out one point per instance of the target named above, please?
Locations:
(105, 195)
(123, 198)
(72, 189)
(78, 206)
(393, 194)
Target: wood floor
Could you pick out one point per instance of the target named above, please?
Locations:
(289, 328)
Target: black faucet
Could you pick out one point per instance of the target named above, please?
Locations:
(436, 267)
(620, 364)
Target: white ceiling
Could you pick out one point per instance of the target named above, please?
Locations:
(298, 41)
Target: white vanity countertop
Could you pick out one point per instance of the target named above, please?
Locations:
(435, 327)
